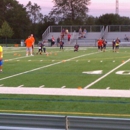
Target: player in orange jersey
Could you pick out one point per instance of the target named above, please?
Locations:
(100, 44)
(29, 43)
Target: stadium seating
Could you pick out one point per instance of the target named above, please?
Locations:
(91, 36)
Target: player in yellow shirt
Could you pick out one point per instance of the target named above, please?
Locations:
(1, 58)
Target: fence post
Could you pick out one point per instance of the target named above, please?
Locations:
(66, 122)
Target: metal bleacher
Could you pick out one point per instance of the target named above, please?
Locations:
(94, 32)
(112, 32)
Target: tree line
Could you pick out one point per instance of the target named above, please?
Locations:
(18, 21)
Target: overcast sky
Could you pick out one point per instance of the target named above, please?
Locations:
(96, 8)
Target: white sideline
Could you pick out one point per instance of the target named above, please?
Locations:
(65, 92)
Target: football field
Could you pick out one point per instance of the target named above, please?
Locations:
(86, 69)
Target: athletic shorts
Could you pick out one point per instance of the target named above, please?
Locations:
(104, 46)
(28, 48)
(99, 47)
(117, 46)
(1, 62)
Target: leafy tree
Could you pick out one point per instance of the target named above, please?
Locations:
(36, 18)
(91, 20)
(15, 14)
(124, 20)
(41, 27)
(34, 12)
(71, 11)
(6, 31)
(113, 19)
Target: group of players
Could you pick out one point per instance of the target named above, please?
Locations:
(101, 43)
(29, 43)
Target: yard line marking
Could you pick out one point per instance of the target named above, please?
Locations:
(12, 51)
(108, 88)
(46, 66)
(106, 74)
(41, 86)
(20, 86)
(63, 86)
(18, 58)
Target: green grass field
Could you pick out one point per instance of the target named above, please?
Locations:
(65, 68)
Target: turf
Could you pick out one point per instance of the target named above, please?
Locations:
(62, 105)
(64, 68)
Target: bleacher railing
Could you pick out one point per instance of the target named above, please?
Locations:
(47, 31)
(72, 28)
(118, 28)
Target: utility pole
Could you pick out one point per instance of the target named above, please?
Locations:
(117, 6)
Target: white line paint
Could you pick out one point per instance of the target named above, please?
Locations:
(41, 86)
(18, 58)
(13, 51)
(106, 74)
(46, 66)
(20, 86)
(63, 86)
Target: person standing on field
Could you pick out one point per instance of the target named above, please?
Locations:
(100, 44)
(58, 41)
(44, 47)
(76, 47)
(117, 43)
(69, 36)
(61, 45)
(29, 43)
(113, 45)
(1, 58)
(33, 42)
(40, 48)
(52, 40)
(104, 45)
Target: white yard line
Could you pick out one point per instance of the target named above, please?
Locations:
(41, 86)
(13, 51)
(45, 66)
(20, 86)
(106, 74)
(63, 86)
(18, 58)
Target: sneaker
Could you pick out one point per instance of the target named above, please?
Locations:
(26, 54)
(32, 55)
